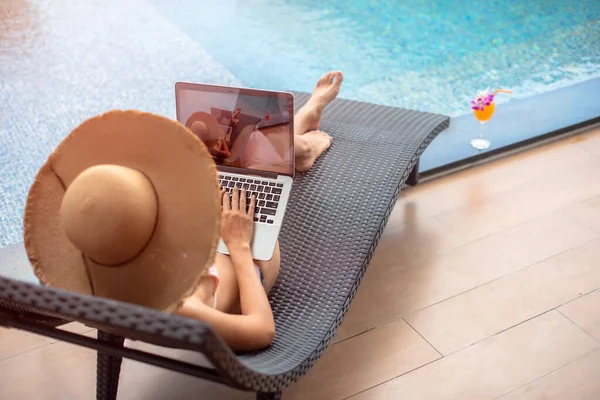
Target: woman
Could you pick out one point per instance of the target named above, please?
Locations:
(232, 297)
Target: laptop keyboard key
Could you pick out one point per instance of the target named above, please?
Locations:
(268, 211)
(261, 203)
(235, 178)
(263, 218)
(231, 184)
(256, 210)
(276, 191)
(252, 187)
(268, 189)
(269, 197)
(227, 178)
(270, 204)
(269, 221)
(242, 179)
(271, 183)
(250, 181)
(261, 195)
(260, 188)
(245, 186)
(255, 219)
(280, 185)
(275, 198)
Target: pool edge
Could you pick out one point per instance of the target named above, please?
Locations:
(516, 126)
(510, 150)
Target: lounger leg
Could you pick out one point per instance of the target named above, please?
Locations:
(108, 369)
(268, 396)
(413, 178)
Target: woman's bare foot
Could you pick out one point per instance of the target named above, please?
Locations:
(309, 116)
(309, 147)
(326, 90)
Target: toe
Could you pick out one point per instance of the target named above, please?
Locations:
(339, 77)
(330, 77)
(323, 80)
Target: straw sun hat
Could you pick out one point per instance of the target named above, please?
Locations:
(127, 207)
(205, 127)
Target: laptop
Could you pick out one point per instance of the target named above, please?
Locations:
(260, 148)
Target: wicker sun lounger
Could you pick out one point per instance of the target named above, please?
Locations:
(333, 223)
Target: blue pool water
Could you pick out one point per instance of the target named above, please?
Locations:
(62, 61)
(426, 55)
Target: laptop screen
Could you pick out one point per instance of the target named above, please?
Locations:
(242, 128)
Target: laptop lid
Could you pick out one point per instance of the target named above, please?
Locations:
(247, 131)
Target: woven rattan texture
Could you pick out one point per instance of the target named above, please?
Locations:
(108, 369)
(332, 225)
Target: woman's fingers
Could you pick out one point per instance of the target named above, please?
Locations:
(221, 194)
(252, 205)
(238, 201)
(243, 201)
(225, 201)
(235, 199)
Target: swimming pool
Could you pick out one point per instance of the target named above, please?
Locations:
(63, 61)
(427, 55)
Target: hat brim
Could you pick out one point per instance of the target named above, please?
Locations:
(186, 235)
(214, 129)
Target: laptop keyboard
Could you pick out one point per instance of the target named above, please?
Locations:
(267, 195)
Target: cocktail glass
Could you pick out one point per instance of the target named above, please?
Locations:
(483, 108)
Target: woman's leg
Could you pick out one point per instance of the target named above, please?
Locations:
(309, 116)
(228, 291)
(270, 269)
(309, 143)
(309, 147)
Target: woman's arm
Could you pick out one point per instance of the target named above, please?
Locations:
(225, 149)
(240, 332)
(255, 328)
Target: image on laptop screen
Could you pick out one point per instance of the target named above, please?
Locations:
(241, 128)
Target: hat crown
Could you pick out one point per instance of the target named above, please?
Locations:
(109, 212)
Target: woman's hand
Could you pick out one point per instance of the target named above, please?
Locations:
(237, 223)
